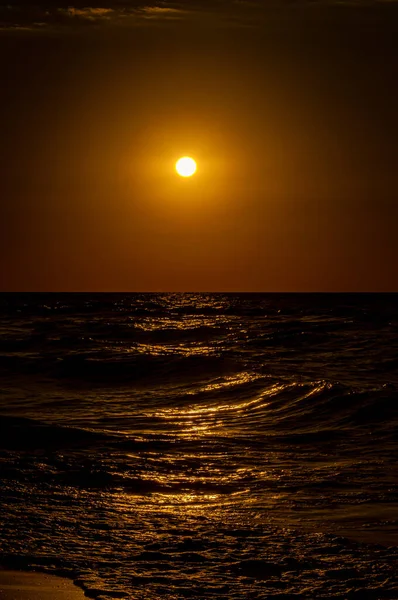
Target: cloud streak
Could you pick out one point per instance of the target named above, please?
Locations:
(26, 16)
(36, 16)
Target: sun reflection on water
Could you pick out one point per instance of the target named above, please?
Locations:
(197, 409)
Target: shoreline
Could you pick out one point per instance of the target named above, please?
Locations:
(32, 585)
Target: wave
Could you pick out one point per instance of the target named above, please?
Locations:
(28, 434)
(129, 368)
(324, 410)
(308, 412)
(104, 367)
(366, 304)
(236, 406)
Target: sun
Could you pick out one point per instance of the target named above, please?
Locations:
(186, 166)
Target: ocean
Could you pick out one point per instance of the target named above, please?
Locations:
(230, 446)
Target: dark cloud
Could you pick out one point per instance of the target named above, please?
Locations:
(32, 15)
(29, 15)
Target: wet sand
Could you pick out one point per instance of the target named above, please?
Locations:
(20, 585)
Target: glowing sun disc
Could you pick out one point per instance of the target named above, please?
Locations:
(186, 166)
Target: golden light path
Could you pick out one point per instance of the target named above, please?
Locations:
(186, 166)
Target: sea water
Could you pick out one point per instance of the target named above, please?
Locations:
(202, 445)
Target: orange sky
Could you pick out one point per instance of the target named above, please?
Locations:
(291, 116)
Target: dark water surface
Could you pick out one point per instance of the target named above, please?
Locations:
(202, 445)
